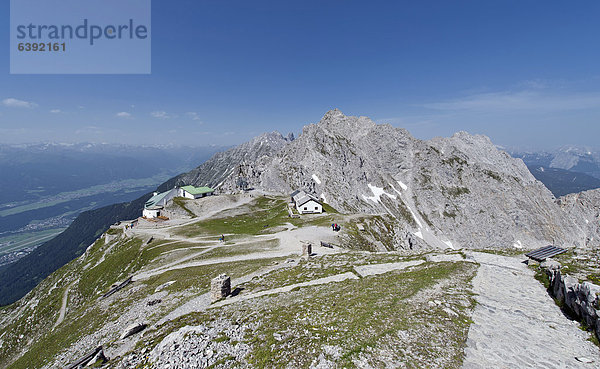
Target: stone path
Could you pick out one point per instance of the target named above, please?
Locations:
(373, 269)
(517, 325)
(290, 242)
(230, 259)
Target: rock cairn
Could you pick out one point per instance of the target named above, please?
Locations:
(306, 249)
(220, 287)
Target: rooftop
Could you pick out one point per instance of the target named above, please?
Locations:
(150, 204)
(301, 198)
(197, 190)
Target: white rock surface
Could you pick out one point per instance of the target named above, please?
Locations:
(516, 323)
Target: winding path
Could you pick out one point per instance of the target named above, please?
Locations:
(63, 307)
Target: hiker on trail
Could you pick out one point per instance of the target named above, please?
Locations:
(222, 239)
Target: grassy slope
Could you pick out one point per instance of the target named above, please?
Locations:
(369, 295)
(86, 313)
(377, 318)
(259, 217)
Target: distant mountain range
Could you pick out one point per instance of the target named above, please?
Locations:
(566, 170)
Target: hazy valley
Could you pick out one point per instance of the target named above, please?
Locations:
(45, 186)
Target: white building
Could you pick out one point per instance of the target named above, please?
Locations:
(306, 203)
(155, 205)
(192, 192)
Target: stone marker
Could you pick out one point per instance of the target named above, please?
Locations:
(220, 287)
(306, 249)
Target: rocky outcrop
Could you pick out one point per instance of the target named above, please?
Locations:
(200, 346)
(582, 300)
(234, 161)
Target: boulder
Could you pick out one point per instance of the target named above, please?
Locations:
(133, 329)
(98, 358)
(589, 293)
(557, 285)
(550, 264)
(571, 292)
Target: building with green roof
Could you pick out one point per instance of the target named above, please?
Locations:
(154, 206)
(192, 192)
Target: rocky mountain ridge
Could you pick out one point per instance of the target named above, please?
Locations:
(459, 191)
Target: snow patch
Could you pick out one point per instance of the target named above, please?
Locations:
(323, 197)
(377, 192)
(411, 211)
(402, 185)
(419, 234)
(316, 179)
(415, 217)
(449, 244)
(518, 245)
(587, 221)
(394, 188)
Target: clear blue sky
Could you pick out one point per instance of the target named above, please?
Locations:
(522, 72)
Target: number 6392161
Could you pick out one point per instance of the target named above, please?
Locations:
(26, 46)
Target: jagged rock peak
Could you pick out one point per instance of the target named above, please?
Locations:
(335, 120)
(473, 138)
(269, 136)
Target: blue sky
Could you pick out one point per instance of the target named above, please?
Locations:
(525, 73)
